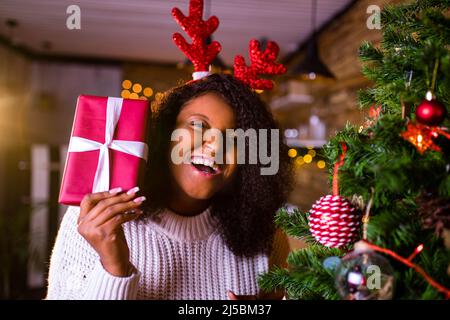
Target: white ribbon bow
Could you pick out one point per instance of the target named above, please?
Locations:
(135, 148)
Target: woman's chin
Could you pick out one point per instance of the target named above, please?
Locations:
(198, 185)
(202, 194)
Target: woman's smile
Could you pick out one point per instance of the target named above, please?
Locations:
(205, 166)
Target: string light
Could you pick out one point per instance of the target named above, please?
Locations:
(416, 252)
(125, 94)
(137, 87)
(126, 84)
(321, 164)
(408, 263)
(148, 92)
(299, 161)
(292, 153)
(307, 158)
(405, 261)
(312, 152)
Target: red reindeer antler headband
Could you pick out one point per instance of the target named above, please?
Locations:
(199, 30)
(262, 62)
(201, 54)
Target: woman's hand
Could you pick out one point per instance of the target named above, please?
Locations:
(100, 223)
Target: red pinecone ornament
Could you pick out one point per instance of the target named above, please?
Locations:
(333, 221)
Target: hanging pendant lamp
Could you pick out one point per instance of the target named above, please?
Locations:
(312, 66)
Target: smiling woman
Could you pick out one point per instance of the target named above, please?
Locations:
(201, 229)
(240, 190)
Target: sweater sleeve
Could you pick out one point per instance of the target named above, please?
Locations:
(104, 286)
(76, 272)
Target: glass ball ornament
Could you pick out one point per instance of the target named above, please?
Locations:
(431, 112)
(365, 275)
(331, 263)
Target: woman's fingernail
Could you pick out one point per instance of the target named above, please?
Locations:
(133, 190)
(115, 190)
(140, 199)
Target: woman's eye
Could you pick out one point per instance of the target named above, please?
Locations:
(197, 124)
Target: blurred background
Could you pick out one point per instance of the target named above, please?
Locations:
(53, 50)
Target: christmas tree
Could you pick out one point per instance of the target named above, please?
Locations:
(394, 171)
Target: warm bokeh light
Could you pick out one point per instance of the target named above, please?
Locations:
(309, 147)
(259, 91)
(143, 98)
(134, 95)
(299, 161)
(137, 87)
(292, 153)
(148, 92)
(307, 158)
(126, 84)
(312, 153)
(321, 164)
(125, 94)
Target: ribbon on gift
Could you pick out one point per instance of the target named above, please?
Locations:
(135, 148)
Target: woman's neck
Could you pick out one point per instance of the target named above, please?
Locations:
(186, 206)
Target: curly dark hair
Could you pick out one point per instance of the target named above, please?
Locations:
(246, 208)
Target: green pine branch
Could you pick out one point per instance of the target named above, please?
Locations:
(415, 36)
(295, 224)
(306, 278)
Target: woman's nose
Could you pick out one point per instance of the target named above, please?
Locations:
(209, 149)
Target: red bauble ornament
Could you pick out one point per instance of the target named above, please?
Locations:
(333, 221)
(430, 112)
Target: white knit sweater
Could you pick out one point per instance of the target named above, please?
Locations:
(176, 257)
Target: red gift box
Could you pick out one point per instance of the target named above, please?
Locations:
(107, 147)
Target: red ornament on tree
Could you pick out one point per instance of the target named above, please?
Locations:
(430, 112)
(333, 220)
(421, 136)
